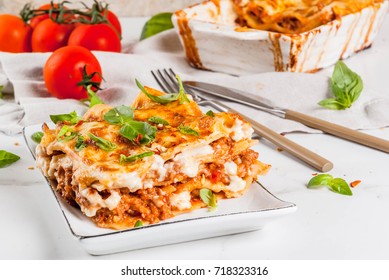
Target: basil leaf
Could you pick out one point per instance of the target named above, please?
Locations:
(182, 95)
(140, 133)
(7, 158)
(339, 185)
(71, 118)
(138, 224)
(158, 23)
(1, 92)
(346, 86)
(134, 158)
(102, 143)
(158, 120)
(320, 180)
(187, 130)
(332, 103)
(92, 97)
(163, 99)
(209, 198)
(210, 113)
(80, 144)
(66, 134)
(37, 136)
(119, 115)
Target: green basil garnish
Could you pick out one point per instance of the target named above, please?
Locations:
(168, 97)
(162, 99)
(71, 118)
(337, 185)
(134, 158)
(66, 134)
(102, 143)
(119, 115)
(187, 130)
(209, 198)
(92, 97)
(182, 95)
(138, 224)
(346, 86)
(158, 120)
(140, 133)
(210, 113)
(37, 136)
(80, 144)
(7, 158)
(156, 24)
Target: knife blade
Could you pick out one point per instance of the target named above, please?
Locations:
(236, 96)
(266, 106)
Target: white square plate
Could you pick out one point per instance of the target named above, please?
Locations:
(249, 212)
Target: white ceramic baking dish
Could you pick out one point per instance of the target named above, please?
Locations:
(213, 41)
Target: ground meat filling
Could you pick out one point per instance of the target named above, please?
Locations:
(149, 205)
(145, 204)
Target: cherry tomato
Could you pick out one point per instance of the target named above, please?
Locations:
(37, 19)
(15, 35)
(49, 36)
(63, 72)
(98, 37)
(113, 21)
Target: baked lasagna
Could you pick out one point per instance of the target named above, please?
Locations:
(126, 166)
(295, 16)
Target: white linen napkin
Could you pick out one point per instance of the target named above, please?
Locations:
(300, 92)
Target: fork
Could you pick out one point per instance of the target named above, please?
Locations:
(166, 79)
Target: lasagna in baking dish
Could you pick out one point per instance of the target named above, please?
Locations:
(295, 16)
(162, 156)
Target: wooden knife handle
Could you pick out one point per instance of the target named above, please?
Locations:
(338, 130)
(307, 156)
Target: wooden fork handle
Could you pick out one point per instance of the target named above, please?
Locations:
(338, 130)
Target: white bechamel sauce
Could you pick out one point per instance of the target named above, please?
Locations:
(158, 166)
(181, 200)
(97, 202)
(131, 180)
(236, 183)
(58, 161)
(231, 168)
(189, 158)
(241, 131)
(43, 163)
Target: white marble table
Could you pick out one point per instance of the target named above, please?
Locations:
(325, 226)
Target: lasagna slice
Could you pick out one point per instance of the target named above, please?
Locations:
(295, 16)
(126, 166)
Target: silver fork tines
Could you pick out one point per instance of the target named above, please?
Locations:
(167, 83)
(166, 79)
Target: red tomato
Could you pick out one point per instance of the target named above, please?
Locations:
(37, 19)
(98, 37)
(15, 35)
(113, 21)
(63, 72)
(49, 36)
(215, 176)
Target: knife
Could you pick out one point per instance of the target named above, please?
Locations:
(264, 105)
